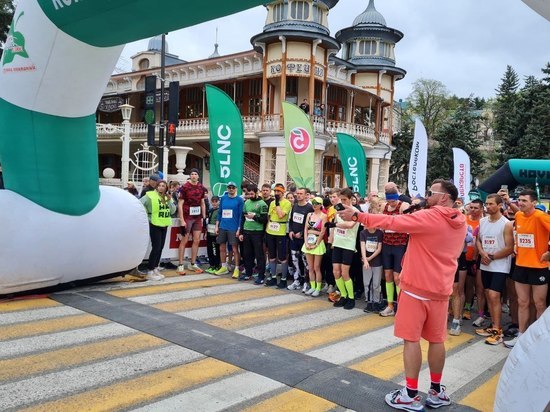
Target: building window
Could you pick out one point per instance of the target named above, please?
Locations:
(367, 48)
(336, 99)
(255, 97)
(292, 89)
(299, 10)
(193, 102)
(386, 50)
(317, 15)
(278, 12)
(143, 64)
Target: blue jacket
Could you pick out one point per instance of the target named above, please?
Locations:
(230, 212)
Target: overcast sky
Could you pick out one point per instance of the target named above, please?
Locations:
(466, 44)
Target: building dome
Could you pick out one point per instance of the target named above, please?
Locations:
(155, 44)
(370, 16)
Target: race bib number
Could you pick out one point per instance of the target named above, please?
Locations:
(389, 231)
(194, 210)
(341, 232)
(526, 240)
(489, 243)
(227, 213)
(311, 239)
(371, 245)
(298, 218)
(274, 226)
(211, 228)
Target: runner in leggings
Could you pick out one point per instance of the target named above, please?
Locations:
(345, 235)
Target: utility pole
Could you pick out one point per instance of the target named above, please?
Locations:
(162, 123)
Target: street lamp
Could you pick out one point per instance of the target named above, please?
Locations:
(126, 110)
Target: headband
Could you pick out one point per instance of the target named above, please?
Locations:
(392, 196)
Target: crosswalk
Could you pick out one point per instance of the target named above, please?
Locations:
(57, 357)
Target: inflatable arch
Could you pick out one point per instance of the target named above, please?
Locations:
(515, 172)
(57, 224)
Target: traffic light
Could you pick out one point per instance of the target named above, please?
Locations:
(173, 113)
(150, 91)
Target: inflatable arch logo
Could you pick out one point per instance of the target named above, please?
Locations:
(57, 224)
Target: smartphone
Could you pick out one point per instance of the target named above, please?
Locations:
(339, 207)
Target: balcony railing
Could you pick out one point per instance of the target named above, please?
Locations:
(252, 124)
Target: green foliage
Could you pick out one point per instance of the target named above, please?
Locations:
(399, 166)
(7, 9)
(428, 101)
(459, 131)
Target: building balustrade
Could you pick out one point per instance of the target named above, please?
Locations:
(252, 124)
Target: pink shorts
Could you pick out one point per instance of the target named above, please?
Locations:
(417, 319)
(193, 223)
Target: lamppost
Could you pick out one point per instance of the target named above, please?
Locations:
(126, 110)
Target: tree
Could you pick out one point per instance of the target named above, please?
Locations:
(399, 166)
(461, 132)
(428, 101)
(505, 112)
(7, 9)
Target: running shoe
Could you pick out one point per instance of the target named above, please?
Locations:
(221, 271)
(495, 338)
(330, 289)
(236, 273)
(305, 288)
(511, 331)
(259, 281)
(387, 312)
(282, 284)
(350, 304)
(157, 272)
(271, 282)
(315, 293)
(478, 322)
(195, 268)
(511, 343)
(399, 399)
(151, 275)
(310, 291)
(455, 329)
(294, 285)
(244, 277)
(485, 332)
(169, 265)
(437, 399)
(212, 270)
(340, 302)
(368, 308)
(467, 315)
(324, 289)
(180, 270)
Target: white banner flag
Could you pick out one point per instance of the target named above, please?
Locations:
(418, 163)
(462, 177)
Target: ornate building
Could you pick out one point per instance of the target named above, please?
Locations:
(294, 58)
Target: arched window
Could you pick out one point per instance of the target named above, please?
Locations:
(299, 10)
(144, 64)
(367, 47)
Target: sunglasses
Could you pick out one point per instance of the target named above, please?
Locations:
(430, 193)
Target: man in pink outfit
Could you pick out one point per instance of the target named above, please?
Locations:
(436, 241)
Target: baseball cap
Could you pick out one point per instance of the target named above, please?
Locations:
(215, 198)
(232, 184)
(540, 206)
(154, 178)
(317, 200)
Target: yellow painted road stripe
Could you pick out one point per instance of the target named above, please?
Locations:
(266, 315)
(215, 300)
(173, 287)
(42, 327)
(483, 398)
(389, 364)
(143, 389)
(293, 400)
(27, 304)
(332, 333)
(22, 367)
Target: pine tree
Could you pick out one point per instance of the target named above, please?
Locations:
(504, 114)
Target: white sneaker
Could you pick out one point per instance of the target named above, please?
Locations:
(151, 275)
(325, 288)
(310, 291)
(157, 272)
(315, 293)
(455, 329)
(505, 308)
(387, 312)
(180, 270)
(294, 285)
(511, 343)
(330, 289)
(478, 322)
(436, 400)
(305, 288)
(399, 399)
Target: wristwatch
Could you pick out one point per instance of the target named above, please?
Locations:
(355, 216)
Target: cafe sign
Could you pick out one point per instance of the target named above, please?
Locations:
(110, 104)
(294, 68)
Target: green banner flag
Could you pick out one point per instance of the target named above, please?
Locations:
(300, 146)
(354, 162)
(226, 141)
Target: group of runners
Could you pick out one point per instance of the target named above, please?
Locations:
(341, 245)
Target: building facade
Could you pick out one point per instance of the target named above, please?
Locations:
(293, 59)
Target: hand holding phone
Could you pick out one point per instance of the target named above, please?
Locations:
(339, 207)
